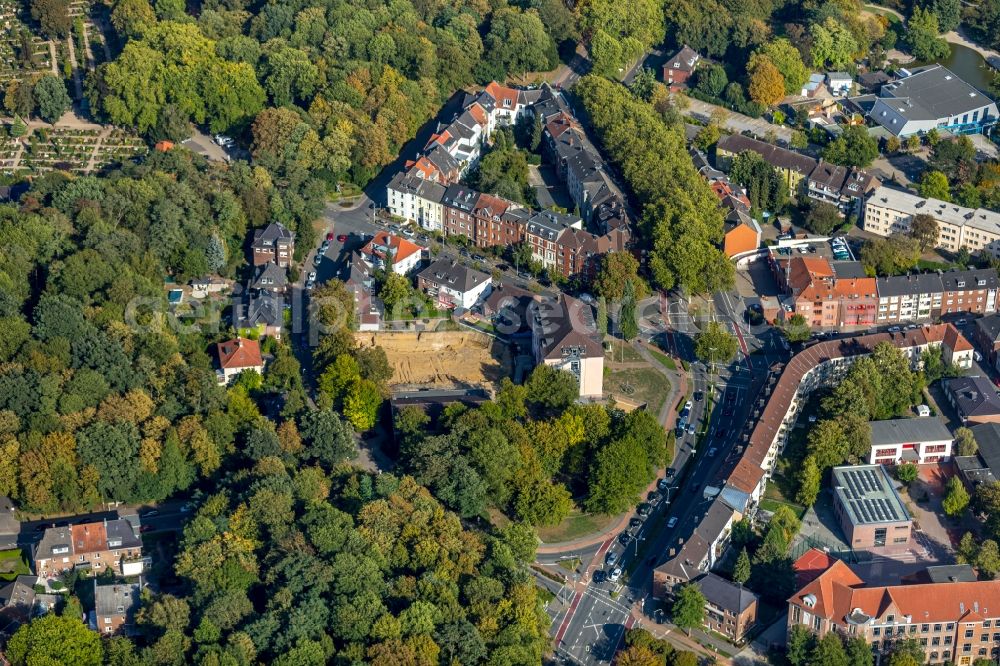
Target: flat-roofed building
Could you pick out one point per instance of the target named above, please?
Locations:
(870, 511)
(919, 440)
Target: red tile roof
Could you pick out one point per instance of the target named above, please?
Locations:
(89, 538)
(839, 592)
(401, 248)
(500, 93)
(812, 563)
(239, 353)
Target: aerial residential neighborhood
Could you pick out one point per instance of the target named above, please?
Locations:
(644, 333)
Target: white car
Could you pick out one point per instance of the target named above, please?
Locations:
(672, 522)
(615, 574)
(223, 140)
(312, 276)
(688, 405)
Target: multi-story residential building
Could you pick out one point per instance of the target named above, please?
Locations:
(845, 188)
(818, 180)
(678, 69)
(952, 621)
(870, 512)
(730, 609)
(932, 97)
(459, 206)
(542, 234)
(403, 255)
(919, 440)
(794, 167)
(492, 224)
(825, 296)
(564, 336)
(259, 310)
(269, 277)
(888, 211)
(115, 606)
(819, 365)
(928, 296)
(412, 197)
(273, 243)
(360, 281)
(109, 544)
(691, 555)
(453, 285)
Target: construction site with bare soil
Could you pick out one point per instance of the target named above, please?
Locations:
(441, 359)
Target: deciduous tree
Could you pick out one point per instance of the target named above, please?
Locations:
(688, 609)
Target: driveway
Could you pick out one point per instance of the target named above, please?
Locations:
(548, 189)
(737, 123)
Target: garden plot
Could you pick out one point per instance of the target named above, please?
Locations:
(68, 149)
(21, 52)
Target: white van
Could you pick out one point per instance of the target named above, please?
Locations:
(923, 410)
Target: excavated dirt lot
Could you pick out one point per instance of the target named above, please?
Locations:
(446, 359)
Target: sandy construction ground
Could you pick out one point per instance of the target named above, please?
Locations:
(446, 359)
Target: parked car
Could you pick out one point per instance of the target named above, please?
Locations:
(662, 484)
(318, 259)
(643, 509)
(635, 522)
(698, 395)
(691, 429)
(670, 472)
(672, 522)
(688, 405)
(615, 574)
(312, 276)
(150, 513)
(599, 576)
(712, 451)
(342, 238)
(625, 538)
(329, 236)
(611, 558)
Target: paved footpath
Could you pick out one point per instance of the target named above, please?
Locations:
(678, 386)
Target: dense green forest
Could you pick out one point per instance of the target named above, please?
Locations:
(532, 450)
(290, 565)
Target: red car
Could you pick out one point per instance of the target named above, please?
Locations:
(145, 528)
(329, 236)
(342, 238)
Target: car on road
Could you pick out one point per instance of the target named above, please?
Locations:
(150, 513)
(635, 522)
(329, 236)
(625, 538)
(611, 558)
(342, 238)
(688, 405)
(312, 276)
(145, 528)
(672, 522)
(698, 395)
(670, 472)
(409, 233)
(662, 484)
(503, 267)
(691, 429)
(894, 329)
(615, 574)
(318, 259)
(599, 576)
(728, 411)
(643, 509)
(478, 257)
(712, 451)
(186, 508)
(722, 433)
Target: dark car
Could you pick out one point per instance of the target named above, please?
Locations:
(698, 395)
(722, 433)
(728, 411)
(635, 522)
(41, 528)
(643, 509)
(730, 398)
(150, 513)
(599, 576)
(145, 528)
(503, 267)
(670, 472)
(624, 538)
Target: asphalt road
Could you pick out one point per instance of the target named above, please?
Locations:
(591, 630)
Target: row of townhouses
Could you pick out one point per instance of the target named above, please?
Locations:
(428, 191)
(840, 294)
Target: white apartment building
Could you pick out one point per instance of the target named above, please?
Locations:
(889, 211)
(416, 199)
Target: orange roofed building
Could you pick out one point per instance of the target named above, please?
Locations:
(238, 355)
(406, 256)
(828, 298)
(954, 622)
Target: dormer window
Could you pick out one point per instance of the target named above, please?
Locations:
(960, 283)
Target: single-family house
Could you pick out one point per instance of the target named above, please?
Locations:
(839, 83)
(453, 285)
(273, 243)
(238, 355)
(974, 398)
(679, 68)
(115, 606)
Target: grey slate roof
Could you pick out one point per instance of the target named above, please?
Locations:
(725, 594)
(271, 233)
(411, 183)
(909, 285)
(988, 438)
(989, 327)
(846, 270)
(903, 431)
(773, 155)
(116, 599)
(549, 224)
(974, 396)
(453, 275)
(461, 197)
(934, 92)
(970, 280)
(258, 308)
(122, 534)
(269, 276)
(564, 325)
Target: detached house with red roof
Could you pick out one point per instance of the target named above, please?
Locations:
(404, 255)
(953, 622)
(678, 69)
(238, 355)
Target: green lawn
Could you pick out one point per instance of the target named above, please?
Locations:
(13, 564)
(642, 385)
(577, 524)
(667, 362)
(622, 352)
(772, 505)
